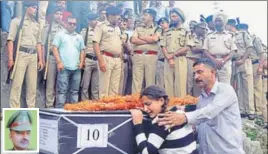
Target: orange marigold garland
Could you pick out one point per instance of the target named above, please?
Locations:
(112, 103)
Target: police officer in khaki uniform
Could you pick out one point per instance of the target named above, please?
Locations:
(244, 71)
(219, 46)
(199, 32)
(20, 126)
(257, 57)
(164, 24)
(29, 58)
(175, 45)
(51, 64)
(90, 78)
(125, 58)
(144, 40)
(108, 47)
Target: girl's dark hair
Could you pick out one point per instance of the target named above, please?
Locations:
(155, 92)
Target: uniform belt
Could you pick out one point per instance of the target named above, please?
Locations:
(149, 52)
(91, 57)
(28, 50)
(125, 60)
(255, 61)
(162, 59)
(110, 54)
(220, 56)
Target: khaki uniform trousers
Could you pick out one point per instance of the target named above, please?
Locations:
(257, 80)
(245, 88)
(90, 77)
(109, 81)
(176, 78)
(143, 65)
(51, 82)
(192, 87)
(26, 67)
(264, 99)
(160, 74)
(224, 74)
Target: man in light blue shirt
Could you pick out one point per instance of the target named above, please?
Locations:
(217, 115)
(68, 50)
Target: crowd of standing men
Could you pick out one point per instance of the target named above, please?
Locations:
(122, 50)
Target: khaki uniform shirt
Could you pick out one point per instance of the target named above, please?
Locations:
(217, 43)
(30, 35)
(242, 41)
(198, 43)
(108, 37)
(146, 31)
(175, 39)
(258, 48)
(89, 43)
(55, 27)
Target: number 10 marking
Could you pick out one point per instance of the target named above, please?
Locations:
(95, 134)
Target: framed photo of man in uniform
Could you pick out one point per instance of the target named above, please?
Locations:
(20, 130)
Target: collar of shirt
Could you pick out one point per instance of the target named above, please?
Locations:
(150, 26)
(223, 32)
(73, 33)
(213, 90)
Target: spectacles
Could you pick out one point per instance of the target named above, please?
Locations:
(72, 23)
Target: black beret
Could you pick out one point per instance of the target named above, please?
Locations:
(243, 26)
(152, 12)
(30, 3)
(112, 10)
(163, 19)
(231, 22)
(209, 18)
(154, 91)
(92, 16)
(201, 25)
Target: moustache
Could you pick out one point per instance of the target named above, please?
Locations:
(198, 81)
(24, 141)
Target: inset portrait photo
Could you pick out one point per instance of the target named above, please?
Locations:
(19, 130)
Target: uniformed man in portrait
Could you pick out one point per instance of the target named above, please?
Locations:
(175, 45)
(51, 30)
(20, 127)
(29, 58)
(90, 80)
(145, 51)
(219, 46)
(108, 48)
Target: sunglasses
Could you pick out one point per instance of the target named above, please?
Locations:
(72, 23)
